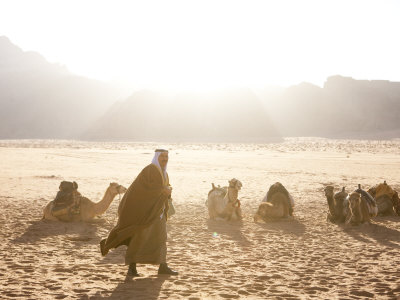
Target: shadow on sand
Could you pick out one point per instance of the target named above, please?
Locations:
(115, 256)
(378, 232)
(136, 288)
(83, 232)
(232, 230)
(289, 226)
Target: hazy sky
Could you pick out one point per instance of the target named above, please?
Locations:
(201, 44)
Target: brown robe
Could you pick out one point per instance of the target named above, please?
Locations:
(149, 246)
(141, 207)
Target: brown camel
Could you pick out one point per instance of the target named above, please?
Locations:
(87, 209)
(338, 207)
(361, 211)
(223, 203)
(277, 207)
(278, 203)
(386, 199)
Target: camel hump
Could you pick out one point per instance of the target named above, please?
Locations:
(68, 186)
(213, 188)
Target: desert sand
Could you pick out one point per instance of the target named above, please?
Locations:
(299, 258)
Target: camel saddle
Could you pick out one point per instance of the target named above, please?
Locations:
(67, 199)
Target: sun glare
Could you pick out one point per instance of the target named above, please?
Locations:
(209, 44)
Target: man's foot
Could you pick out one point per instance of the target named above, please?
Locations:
(164, 269)
(102, 245)
(132, 270)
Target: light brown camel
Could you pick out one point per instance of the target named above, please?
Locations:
(338, 207)
(277, 207)
(361, 211)
(362, 207)
(385, 197)
(88, 209)
(277, 203)
(223, 203)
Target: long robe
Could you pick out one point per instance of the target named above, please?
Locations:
(141, 207)
(149, 246)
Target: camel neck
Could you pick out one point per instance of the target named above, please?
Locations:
(102, 206)
(232, 194)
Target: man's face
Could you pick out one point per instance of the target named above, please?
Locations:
(163, 159)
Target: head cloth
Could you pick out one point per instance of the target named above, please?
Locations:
(155, 161)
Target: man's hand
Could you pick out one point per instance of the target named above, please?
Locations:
(166, 191)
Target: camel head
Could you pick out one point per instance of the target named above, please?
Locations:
(372, 190)
(328, 191)
(355, 200)
(340, 196)
(234, 183)
(264, 209)
(116, 188)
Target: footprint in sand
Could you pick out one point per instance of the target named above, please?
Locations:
(362, 293)
(228, 296)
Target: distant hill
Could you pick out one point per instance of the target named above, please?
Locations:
(39, 99)
(225, 116)
(343, 108)
(43, 100)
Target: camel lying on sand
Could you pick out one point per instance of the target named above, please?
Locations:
(386, 198)
(278, 203)
(338, 207)
(362, 207)
(356, 208)
(223, 203)
(83, 209)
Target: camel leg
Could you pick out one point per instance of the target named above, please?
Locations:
(239, 213)
(330, 218)
(257, 218)
(47, 215)
(365, 212)
(211, 213)
(348, 218)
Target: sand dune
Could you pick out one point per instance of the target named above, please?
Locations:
(300, 258)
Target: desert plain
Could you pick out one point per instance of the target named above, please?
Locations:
(303, 257)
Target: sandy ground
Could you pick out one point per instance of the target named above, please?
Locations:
(300, 258)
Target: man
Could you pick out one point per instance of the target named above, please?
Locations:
(142, 218)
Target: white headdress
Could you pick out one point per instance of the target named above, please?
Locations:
(155, 161)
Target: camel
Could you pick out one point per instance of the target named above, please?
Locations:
(386, 198)
(277, 203)
(88, 210)
(276, 208)
(223, 202)
(338, 207)
(362, 207)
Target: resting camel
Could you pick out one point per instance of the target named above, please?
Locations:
(277, 204)
(362, 207)
(338, 207)
(223, 202)
(87, 209)
(386, 198)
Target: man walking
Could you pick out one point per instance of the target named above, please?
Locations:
(142, 218)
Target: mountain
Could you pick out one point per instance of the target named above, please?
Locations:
(43, 100)
(342, 108)
(224, 116)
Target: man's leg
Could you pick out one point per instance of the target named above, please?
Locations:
(132, 270)
(164, 269)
